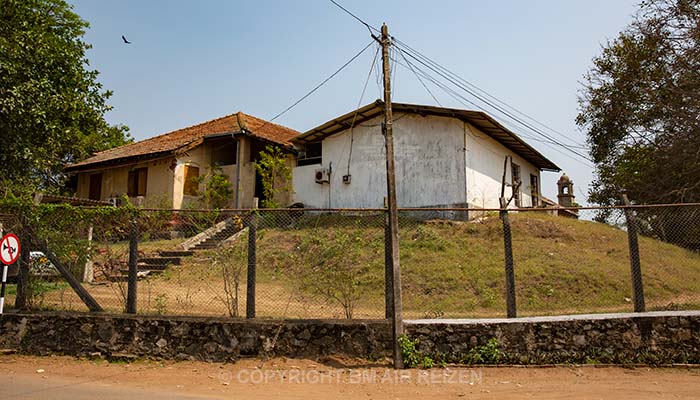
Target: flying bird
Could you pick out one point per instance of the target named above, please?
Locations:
(125, 41)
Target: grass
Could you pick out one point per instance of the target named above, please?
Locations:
(449, 269)
(457, 268)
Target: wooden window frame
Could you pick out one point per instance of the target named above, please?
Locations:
(137, 183)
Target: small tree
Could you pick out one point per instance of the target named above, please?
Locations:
(341, 266)
(272, 167)
(218, 191)
(232, 261)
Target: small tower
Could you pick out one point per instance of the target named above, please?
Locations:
(566, 191)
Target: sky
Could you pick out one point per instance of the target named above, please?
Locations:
(193, 61)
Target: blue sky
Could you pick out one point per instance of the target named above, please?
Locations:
(191, 61)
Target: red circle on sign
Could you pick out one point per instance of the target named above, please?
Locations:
(9, 249)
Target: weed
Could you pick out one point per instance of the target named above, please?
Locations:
(161, 303)
(410, 355)
(490, 353)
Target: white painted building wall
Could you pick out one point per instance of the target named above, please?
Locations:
(432, 167)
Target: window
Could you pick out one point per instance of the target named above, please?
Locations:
(95, 187)
(535, 190)
(191, 187)
(516, 182)
(310, 155)
(138, 179)
(224, 154)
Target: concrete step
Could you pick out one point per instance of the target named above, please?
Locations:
(160, 260)
(125, 272)
(175, 253)
(205, 246)
(146, 267)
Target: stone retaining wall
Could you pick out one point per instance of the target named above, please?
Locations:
(621, 338)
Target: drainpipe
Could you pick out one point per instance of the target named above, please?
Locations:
(238, 168)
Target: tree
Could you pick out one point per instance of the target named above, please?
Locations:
(51, 105)
(640, 105)
(273, 169)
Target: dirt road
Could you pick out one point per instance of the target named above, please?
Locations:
(23, 377)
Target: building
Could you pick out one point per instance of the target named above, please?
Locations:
(444, 158)
(171, 170)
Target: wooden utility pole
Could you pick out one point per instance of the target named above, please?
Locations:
(393, 231)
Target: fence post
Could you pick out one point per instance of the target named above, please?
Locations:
(510, 267)
(88, 272)
(635, 264)
(252, 262)
(133, 267)
(23, 273)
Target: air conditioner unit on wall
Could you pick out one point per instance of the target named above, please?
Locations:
(322, 175)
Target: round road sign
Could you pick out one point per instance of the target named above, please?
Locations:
(9, 249)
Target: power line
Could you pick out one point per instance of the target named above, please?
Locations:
(472, 90)
(369, 27)
(477, 88)
(323, 83)
(419, 78)
(495, 107)
(468, 103)
(359, 103)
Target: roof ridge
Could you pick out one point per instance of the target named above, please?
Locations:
(266, 122)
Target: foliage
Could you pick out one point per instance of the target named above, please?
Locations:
(410, 354)
(273, 170)
(489, 353)
(340, 266)
(232, 261)
(218, 189)
(51, 106)
(413, 358)
(63, 228)
(639, 107)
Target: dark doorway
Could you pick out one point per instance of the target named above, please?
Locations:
(95, 187)
(259, 193)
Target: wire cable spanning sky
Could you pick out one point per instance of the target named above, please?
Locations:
(189, 62)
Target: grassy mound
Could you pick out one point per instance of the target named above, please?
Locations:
(456, 269)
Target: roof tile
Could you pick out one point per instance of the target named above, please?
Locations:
(171, 141)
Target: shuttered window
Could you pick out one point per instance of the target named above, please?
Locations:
(191, 187)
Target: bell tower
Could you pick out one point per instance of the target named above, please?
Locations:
(566, 191)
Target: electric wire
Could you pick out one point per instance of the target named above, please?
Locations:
(465, 85)
(369, 27)
(322, 83)
(468, 103)
(498, 108)
(574, 144)
(419, 78)
(359, 103)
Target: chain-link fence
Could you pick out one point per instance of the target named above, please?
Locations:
(302, 263)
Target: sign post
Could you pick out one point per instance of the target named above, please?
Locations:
(9, 253)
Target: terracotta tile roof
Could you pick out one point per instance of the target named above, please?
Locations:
(170, 142)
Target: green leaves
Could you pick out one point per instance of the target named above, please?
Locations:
(51, 106)
(275, 173)
(639, 107)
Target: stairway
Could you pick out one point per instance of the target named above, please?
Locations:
(214, 241)
(209, 239)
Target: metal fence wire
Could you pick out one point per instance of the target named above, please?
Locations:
(301, 263)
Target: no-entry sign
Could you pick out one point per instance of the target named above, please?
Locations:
(9, 249)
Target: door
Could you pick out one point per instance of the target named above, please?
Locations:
(95, 187)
